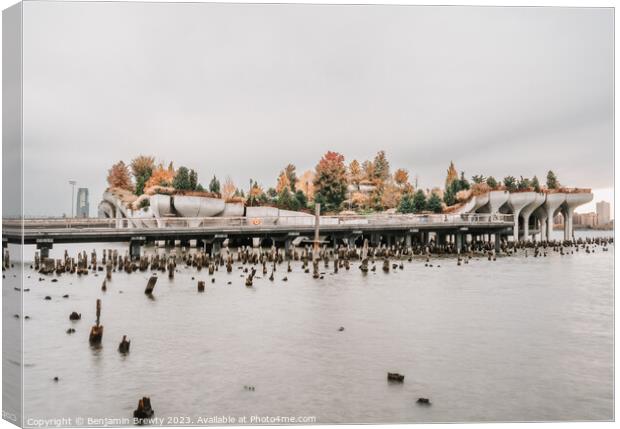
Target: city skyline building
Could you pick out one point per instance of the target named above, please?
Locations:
(82, 204)
(603, 209)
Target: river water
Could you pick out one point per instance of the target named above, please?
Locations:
(518, 339)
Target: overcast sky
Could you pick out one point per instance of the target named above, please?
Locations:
(242, 90)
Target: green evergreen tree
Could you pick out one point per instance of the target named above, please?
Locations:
(406, 204)
(552, 181)
(302, 200)
(535, 184)
(381, 166)
(140, 182)
(478, 178)
(524, 183)
(492, 182)
(419, 201)
(463, 182)
(434, 203)
(193, 180)
(181, 180)
(214, 185)
(510, 183)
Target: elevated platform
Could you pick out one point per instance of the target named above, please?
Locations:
(37, 231)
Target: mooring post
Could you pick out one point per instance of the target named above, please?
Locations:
(317, 222)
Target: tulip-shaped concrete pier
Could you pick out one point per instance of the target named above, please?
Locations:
(573, 201)
(551, 206)
(516, 202)
(526, 212)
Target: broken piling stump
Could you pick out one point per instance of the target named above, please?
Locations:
(75, 316)
(394, 376)
(144, 410)
(123, 347)
(96, 332)
(201, 286)
(150, 285)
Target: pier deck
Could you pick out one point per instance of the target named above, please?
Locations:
(36, 231)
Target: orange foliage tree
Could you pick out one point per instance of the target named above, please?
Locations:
(228, 189)
(331, 181)
(142, 165)
(283, 182)
(161, 177)
(401, 177)
(119, 176)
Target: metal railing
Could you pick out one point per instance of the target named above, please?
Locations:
(265, 222)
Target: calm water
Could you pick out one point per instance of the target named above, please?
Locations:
(516, 339)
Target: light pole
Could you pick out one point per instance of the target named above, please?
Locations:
(72, 183)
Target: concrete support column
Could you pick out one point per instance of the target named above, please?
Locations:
(44, 245)
(135, 246)
(498, 242)
(45, 253)
(515, 229)
(215, 249)
(549, 226)
(459, 242)
(568, 223)
(408, 240)
(374, 239)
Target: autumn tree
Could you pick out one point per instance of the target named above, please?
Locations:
(283, 182)
(354, 172)
(401, 177)
(255, 193)
(305, 183)
(142, 166)
(228, 189)
(119, 176)
(390, 196)
(368, 169)
(331, 181)
(160, 177)
(291, 175)
(451, 174)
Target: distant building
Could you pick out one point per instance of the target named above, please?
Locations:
(82, 205)
(603, 212)
(585, 220)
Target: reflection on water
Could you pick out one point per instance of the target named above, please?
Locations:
(516, 339)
